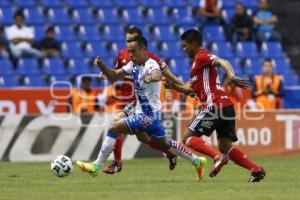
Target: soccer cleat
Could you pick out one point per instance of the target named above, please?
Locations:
(199, 165)
(258, 175)
(172, 162)
(90, 168)
(219, 163)
(116, 166)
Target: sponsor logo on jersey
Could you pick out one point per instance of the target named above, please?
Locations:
(207, 124)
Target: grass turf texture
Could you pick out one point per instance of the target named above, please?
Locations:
(150, 179)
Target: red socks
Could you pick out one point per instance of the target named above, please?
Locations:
(154, 145)
(118, 148)
(241, 159)
(199, 145)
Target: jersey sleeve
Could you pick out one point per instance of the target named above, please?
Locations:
(162, 64)
(152, 66)
(205, 59)
(119, 61)
(128, 68)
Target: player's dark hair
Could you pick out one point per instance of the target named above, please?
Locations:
(267, 60)
(134, 29)
(141, 41)
(192, 35)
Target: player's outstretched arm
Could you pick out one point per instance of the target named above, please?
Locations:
(112, 75)
(240, 82)
(183, 88)
(153, 77)
(169, 75)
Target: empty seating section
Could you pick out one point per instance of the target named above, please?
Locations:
(88, 28)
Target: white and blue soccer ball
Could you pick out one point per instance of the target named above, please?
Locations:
(62, 166)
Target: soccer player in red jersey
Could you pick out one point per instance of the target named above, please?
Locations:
(129, 107)
(218, 112)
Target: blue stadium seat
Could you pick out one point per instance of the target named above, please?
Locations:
(102, 3)
(193, 3)
(133, 16)
(246, 50)
(222, 49)
(213, 33)
(6, 67)
(60, 80)
(172, 50)
(34, 16)
(291, 79)
(151, 3)
(39, 31)
(253, 66)
(78, 67)
(5, 3)
(272, 49)
(89, 33)
(157, 16)
(184, 16)
(6, 15)
(71, 50)
(235, 62)
(282, 65)
(58, 16)
(65, 32)
(22, 3)
(228, 14)
(77, 3)
(228, 3)
(51, 3)
(164, 33)
(249, 3)
(127, 3)
(53, 66)
(28, 66)
(114, 33)
(175, 3)
(9, 81)
(108, 16)
(96, 49)
(34, 81)
(83, 16)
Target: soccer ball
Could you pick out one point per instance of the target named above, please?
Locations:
(61, 166)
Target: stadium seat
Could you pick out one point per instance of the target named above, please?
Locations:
(151, 3)
(34, 81)
(83, 16)
(71, 50)
(228, 3)
(193, 3)
(6, 67)
(291, 79)
(175, 3)
(58, 16)
(235, 62)
(247, 50)
(282, 65)
(222, 49)
(108, 16)
(102, 3)
(51, 3)
(185, 16)
(253, 66)
(89, 33)
(6, 15)
(133, 16)
(53, 66)
(272, 49)
(5, 3)
(77, 3)
(249, 4)
(78, 67)
(34, 16)
(96, 49)
(39, 31)
(65, 32)
(28, 66)
(127, 3)
(22, 3)
(157, 16)
(228, 14)
(171, 50)
(9, 81)
(213, 33)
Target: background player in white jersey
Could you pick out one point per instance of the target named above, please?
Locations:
(147, 83)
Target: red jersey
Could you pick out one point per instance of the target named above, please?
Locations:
(127, 86)
(205, 80)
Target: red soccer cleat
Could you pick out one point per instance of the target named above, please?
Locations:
(258, 175)
(172, 161)
(219, 163)
(116, 166)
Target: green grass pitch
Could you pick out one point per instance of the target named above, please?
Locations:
(150, 179)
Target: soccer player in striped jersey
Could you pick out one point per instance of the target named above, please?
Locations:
(146, 119)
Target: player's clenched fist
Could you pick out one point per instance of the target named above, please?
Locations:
(98, 61)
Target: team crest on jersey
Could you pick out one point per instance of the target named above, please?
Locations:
(207, 124)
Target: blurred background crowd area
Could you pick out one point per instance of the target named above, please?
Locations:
(45, 41)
